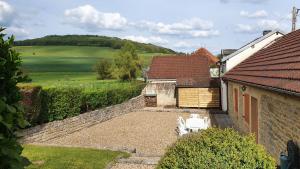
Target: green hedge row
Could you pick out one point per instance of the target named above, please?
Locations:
(217, 149)
(45, 105)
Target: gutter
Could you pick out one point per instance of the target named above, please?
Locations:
(265, 87)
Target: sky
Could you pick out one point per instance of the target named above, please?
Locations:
(182, 25)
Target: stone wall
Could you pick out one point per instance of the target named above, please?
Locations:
(51, 130)
(278, 117)
(164, 91)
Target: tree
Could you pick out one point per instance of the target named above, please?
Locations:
(11, 112)
(127, 63)
(103, 69)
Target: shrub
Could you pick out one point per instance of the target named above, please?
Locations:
(103, 69)
(63, 102)
(60, 103)
(11, 112)
(216, 148)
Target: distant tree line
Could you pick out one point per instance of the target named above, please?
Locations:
(90, 40)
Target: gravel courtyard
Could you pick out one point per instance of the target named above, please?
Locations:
(148, 132)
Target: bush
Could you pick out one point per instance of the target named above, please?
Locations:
(216, 148)
(103, 69)
(60, 103)
(11, 112)
(63, 102)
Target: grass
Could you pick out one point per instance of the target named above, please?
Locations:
(51, 66)
(69, 158)
(69, 58)
(85, 80)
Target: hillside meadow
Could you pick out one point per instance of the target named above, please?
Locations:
(51, 66)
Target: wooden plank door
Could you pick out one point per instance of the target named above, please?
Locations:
(246, 108)
(254, 117)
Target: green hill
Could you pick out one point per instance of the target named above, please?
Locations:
(90, 40)
(69, 60)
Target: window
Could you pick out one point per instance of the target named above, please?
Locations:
(246, 107)
(236, 101)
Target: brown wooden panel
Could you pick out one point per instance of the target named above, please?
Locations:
(254, 117)
(198, 97)
(236, 102)
(246, 107)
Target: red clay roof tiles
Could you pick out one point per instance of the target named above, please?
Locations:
(277, 66)
(187, 70)
(202, 52)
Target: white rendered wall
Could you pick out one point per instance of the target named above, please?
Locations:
(235, 60)
(224, 95)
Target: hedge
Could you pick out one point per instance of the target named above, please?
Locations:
(216, 148)
(45, 105)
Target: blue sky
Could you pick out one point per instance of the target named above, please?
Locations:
(182, 25)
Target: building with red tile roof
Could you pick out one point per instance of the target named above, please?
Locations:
(230, 61)
(276, 67)
(168, 76)
(185, 69)
(264, 94)
(202, 52)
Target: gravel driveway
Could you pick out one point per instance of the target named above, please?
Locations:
(148, 132)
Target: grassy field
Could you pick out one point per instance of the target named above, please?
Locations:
(72, 79)
(67, 65)
(68, 58)
(69, 158)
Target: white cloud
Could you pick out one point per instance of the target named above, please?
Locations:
(18, 32)
(254, 1)
(6, 14)
(194, 27)
(261, 25)
(245, 1)
(268, 24)
(182, 45)
(244, 28)
(256, 14)
(10, 20)
(91, 19)
(143, 39)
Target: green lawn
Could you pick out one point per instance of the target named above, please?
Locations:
(69, 158)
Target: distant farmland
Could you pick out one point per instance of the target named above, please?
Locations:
(50, 65)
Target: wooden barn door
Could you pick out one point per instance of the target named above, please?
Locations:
(254, 117)
(198, 97)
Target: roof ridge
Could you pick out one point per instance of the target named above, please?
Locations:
(255, 41)
(288, 78)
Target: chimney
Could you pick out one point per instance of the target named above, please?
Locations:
(266, 32)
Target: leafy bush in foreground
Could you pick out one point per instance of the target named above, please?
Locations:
(216, 149)
(11, 112)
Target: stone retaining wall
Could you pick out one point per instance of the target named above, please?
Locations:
(51, 130)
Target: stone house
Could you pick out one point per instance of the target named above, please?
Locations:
(264, 94)
(171, 78)
(230, 61)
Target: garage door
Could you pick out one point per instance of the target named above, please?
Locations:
(199, 97)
